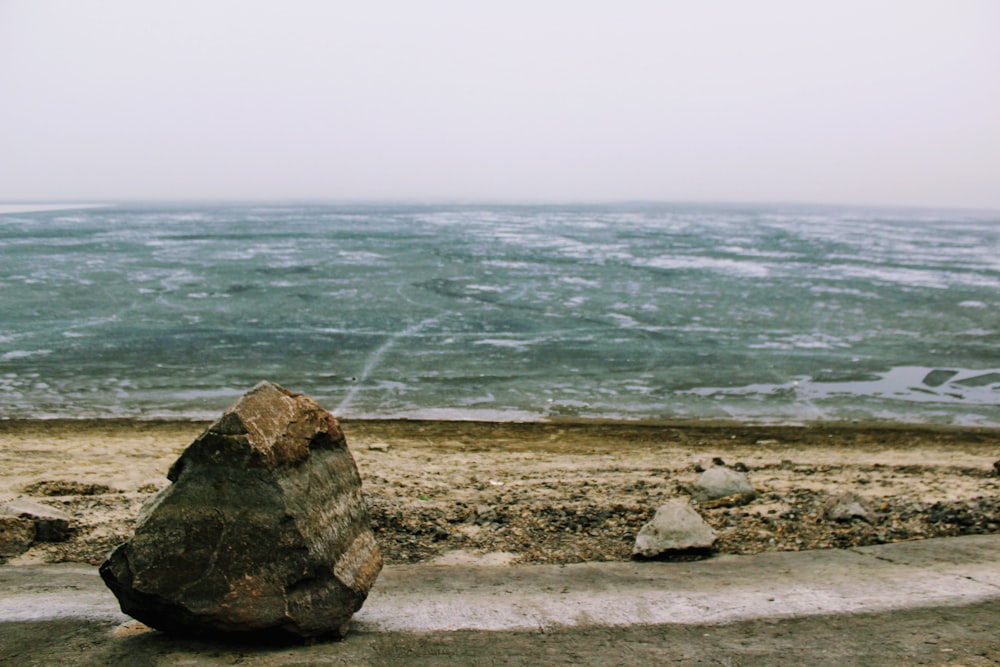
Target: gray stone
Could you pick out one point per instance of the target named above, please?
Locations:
(721, 483)
(848, 506)
(51, 524)
(676, 527)
(263, 533)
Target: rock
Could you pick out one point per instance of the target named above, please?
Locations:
(16, 535)
(720, 482)
(676, 528)
(264, 532)
(51, 524)
(996, 467)
(848, 506)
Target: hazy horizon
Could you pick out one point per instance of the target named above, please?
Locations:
(894, 104)
(32, 206)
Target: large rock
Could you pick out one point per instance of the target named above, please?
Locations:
(263, 533)
(676, 529)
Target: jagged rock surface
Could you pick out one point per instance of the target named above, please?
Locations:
(16, 536)
(264, 531)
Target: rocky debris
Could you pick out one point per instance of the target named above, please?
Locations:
(676, 530)
(422, 506)
(51, 524)
(486, 515)
(264, 532)
(584, 523)
(59, 487)
(16, 536)
(721, 486)
(954, 515)
(848, 506)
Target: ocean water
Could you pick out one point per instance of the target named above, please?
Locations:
(626, 312)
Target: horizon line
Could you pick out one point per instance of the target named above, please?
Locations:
(9, 207)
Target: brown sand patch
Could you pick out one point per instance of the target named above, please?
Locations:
(548, 492)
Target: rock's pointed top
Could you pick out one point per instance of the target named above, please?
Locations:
(259, 414)
(263, 429)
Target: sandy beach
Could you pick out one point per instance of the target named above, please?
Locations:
(475, 492)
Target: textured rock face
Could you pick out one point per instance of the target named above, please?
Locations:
(676, 528)
(16, 536)
(264, 529)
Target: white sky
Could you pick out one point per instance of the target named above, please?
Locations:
(846, 101)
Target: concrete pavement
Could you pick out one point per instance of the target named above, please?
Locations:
(592, 604)
(429, 598)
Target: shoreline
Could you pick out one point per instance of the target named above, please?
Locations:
(553, 492)
(560, 422)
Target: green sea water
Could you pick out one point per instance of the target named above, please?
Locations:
(634, 312)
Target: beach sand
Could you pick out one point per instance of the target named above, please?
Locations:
(466, 492)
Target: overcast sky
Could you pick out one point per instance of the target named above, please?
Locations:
(875, 101)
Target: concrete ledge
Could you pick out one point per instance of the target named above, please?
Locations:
(429, 598)
(942, 572)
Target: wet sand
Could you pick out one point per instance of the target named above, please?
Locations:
(466, 492)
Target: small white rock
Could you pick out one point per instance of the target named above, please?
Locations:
(721, 481)
(675, 527)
